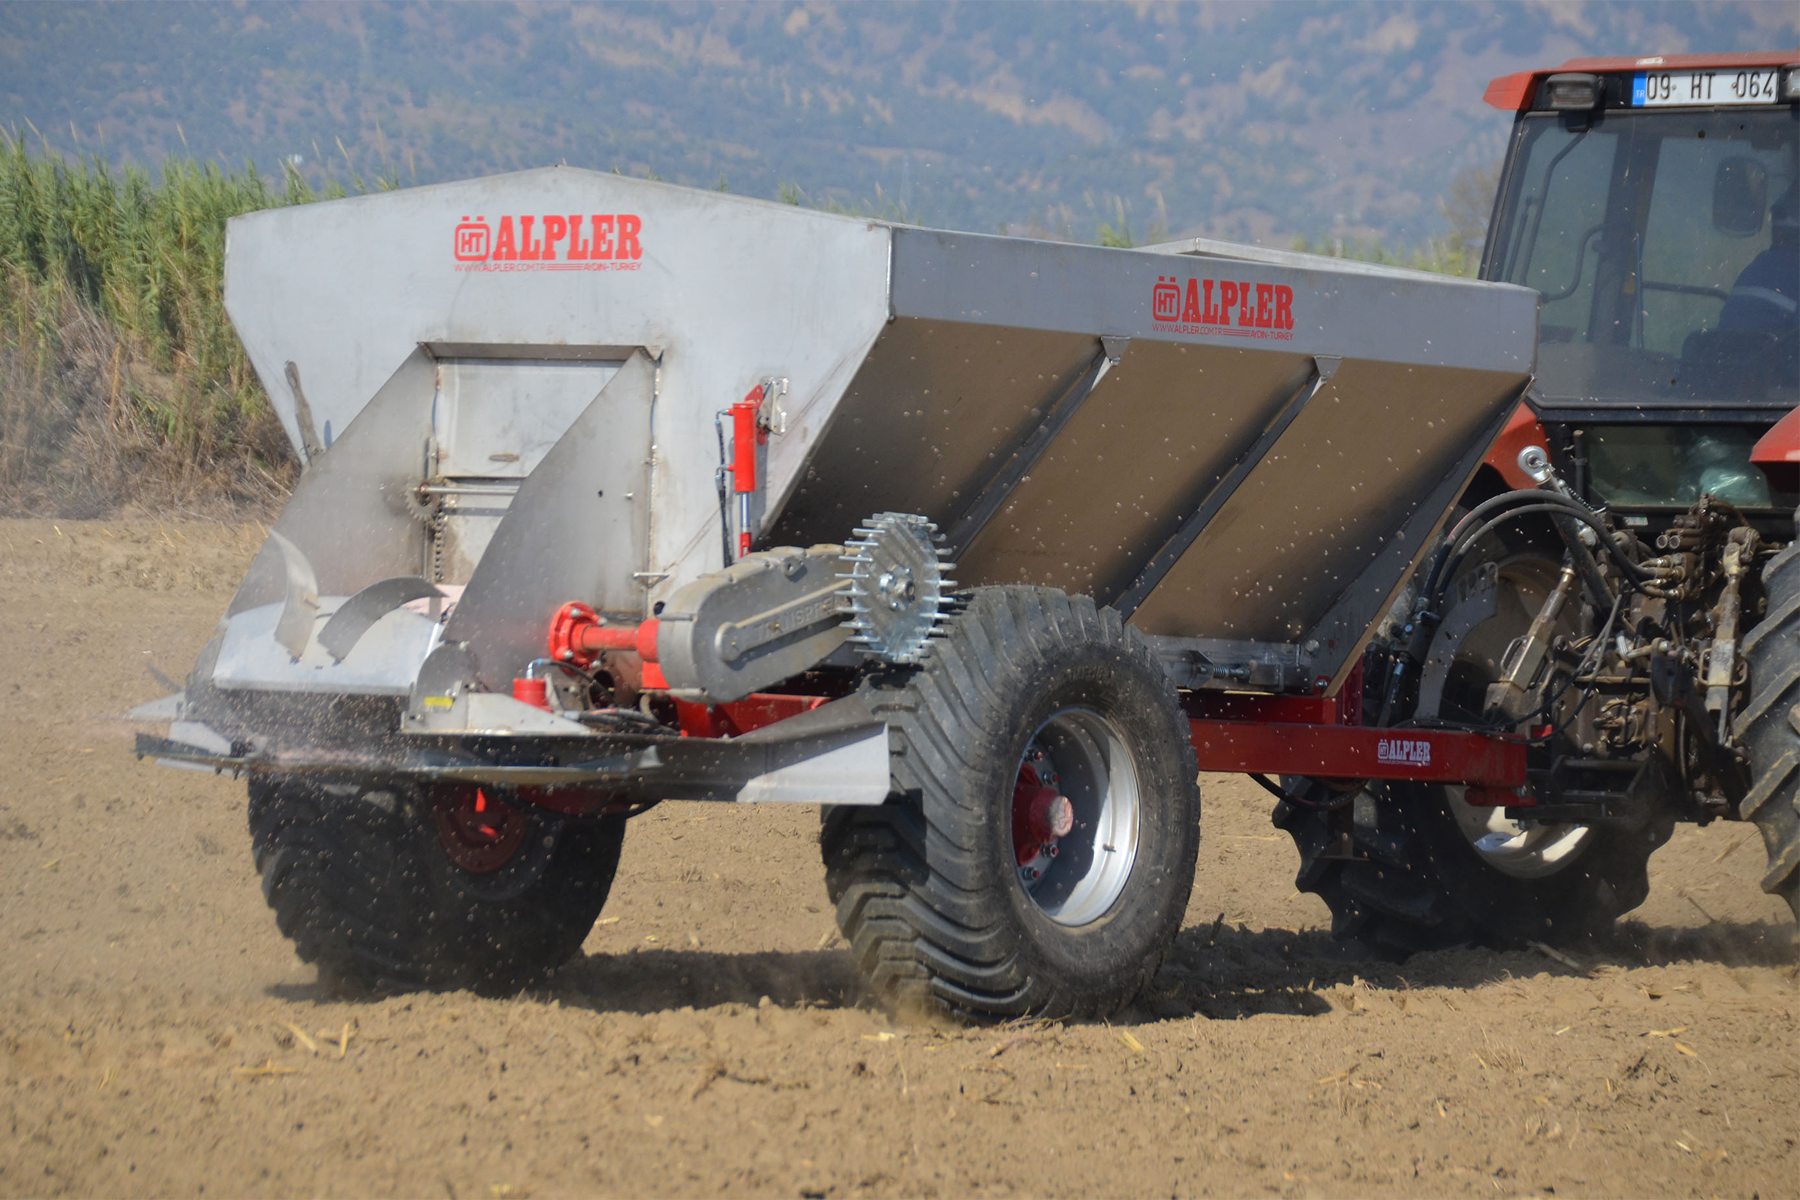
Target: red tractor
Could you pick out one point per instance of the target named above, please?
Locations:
(1633, 608)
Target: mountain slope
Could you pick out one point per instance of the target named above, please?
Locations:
(1248, 120)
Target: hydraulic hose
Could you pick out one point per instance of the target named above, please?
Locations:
(1509, 506)
(1519, 504)
(1585, 566)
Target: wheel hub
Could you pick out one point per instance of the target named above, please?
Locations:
(1041, 817)
(1074, 816)
(479, 833)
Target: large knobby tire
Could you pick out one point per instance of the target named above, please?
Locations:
(1036, 712)
(1770, 727)
(1426, 871)
(390, 888)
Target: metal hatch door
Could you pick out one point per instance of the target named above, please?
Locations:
(578, 529)
(493, 420)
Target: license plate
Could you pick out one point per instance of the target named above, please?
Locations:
(1665, 89)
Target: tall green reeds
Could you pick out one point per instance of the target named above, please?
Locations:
(120, 376)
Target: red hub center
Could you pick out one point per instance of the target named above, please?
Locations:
(1040, 816)
(479, 833)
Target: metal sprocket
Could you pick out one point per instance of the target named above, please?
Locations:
(898, 587)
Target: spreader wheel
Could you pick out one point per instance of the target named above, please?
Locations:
(1038, 851)
(393, 887)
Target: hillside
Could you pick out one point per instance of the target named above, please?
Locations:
(1258, 121)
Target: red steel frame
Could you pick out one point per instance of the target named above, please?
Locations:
(1250, 734)
(1323, 737)
(1236, 732)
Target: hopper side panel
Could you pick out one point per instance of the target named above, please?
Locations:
(1415, 318)
(350, 514)
(1347, 476)
(930, 416)
(1157, 435)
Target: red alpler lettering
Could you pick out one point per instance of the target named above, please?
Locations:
(1265, 306)
(629, 226)
(1246, 317)
(506, 246)
(555, 229)
(528, 250)
(1208, 314)
(603, 243)
(1190, 311)
(1284, 306)
(578, 249)
(1228, 296)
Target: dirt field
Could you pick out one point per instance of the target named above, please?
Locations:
(157, 1036)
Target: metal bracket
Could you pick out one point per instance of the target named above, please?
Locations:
(1229, 663)
(303, 416)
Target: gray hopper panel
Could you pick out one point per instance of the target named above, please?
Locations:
(1172, 486)
(1339, 487)
(1156, 436)
(1088, 418)
(929, 415)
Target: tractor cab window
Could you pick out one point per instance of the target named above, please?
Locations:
(1667, 249)
(1671, 466)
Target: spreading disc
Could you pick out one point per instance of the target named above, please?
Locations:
(898, 590)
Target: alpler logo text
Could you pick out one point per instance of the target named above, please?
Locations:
(1409, 752)
(551, 242)
(1231, 307)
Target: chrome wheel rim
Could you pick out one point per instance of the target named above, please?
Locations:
(1077, 774)
(1512, 848)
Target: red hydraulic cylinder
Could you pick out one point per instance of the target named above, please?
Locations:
(746, 434)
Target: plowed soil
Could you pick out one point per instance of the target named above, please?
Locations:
(158, 1036)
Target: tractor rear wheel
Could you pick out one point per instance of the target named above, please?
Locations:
(395, 887)
(1422, 869)
(1038, 850)
(1770, 727)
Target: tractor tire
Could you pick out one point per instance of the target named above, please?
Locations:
(1422, 870)
(1770, 727)
(1037, 853)
(392, 888)
(1414, 880)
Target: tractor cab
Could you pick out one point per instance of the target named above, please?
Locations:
(1654, 203)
